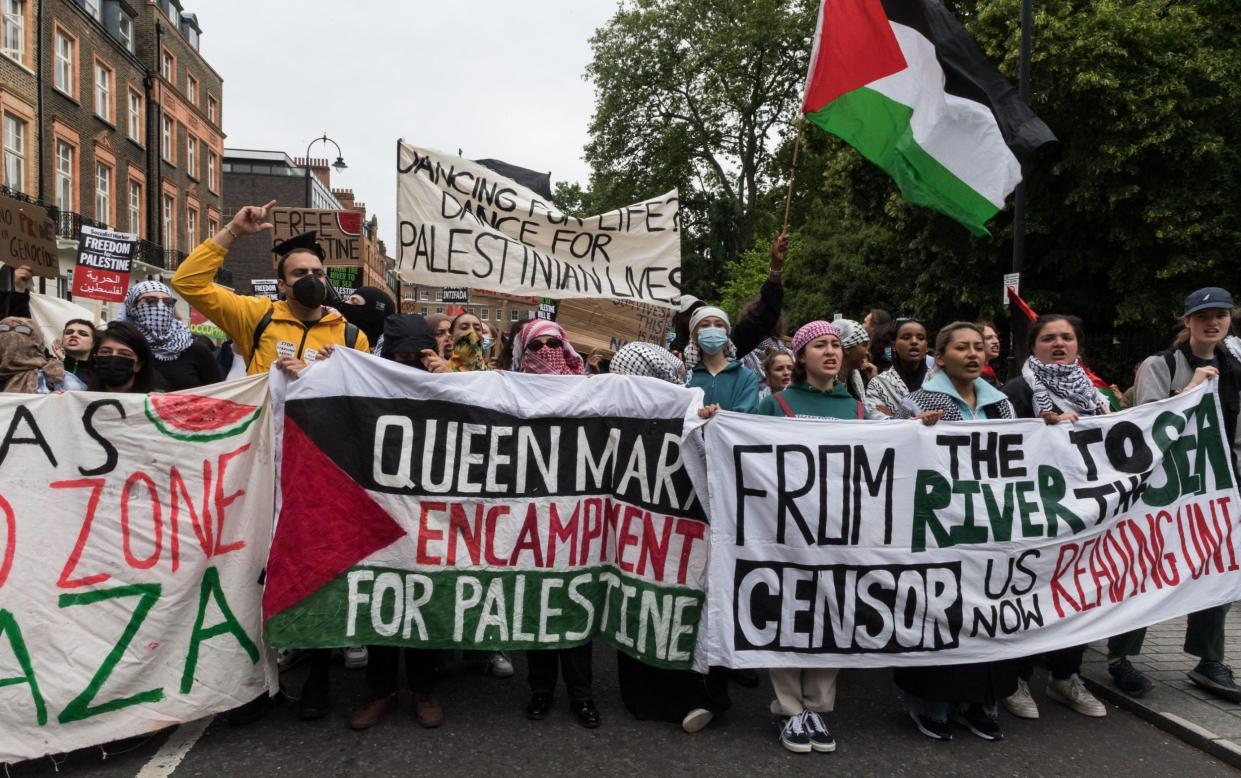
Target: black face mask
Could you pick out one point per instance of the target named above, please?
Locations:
(309, 291)
(366, 316)
(114, 370)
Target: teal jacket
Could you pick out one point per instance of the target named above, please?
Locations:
(805, 400)
(735, 388)
(938, 394)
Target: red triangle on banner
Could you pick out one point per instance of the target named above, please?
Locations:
(328, 523)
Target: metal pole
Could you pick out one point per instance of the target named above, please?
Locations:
(1019, 204)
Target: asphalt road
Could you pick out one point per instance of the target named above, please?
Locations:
(486, 733)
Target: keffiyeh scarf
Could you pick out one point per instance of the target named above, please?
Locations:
(647, 359)
(1066, 386)
(167, 336)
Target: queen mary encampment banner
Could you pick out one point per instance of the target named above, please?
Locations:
(487, 510)
(873, 544)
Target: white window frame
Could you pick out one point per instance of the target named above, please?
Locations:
(94, 8)
(64, 62)
(213, 109)
(125, 26)
(168, 207)
(512, 315)
(14, 152)
(103, 91)
(167, 65)
(168, 137)
(135, 207)
(103, 193)
(483, 313)
(191, 156)
(14, 42)
(191, 89)
(191, 225)
(211, 171)
(135, 115)
(64, 176)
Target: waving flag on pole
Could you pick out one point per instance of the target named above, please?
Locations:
(902, 82)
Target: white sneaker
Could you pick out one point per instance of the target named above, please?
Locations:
(1021, 704)
(696, 720)
(355, 657)
(500, 666)
(1072, 692)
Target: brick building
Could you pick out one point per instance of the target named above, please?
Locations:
(125, 130)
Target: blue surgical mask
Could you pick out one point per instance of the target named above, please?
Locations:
(486, 344)
(712, 340)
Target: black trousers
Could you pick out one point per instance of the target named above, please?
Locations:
(320, 663)
(383, 669)
(1061, 663)
(573, 663)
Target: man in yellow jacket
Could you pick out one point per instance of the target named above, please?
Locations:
(291, 332)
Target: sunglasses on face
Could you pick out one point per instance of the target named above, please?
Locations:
(153, 301)
(550, 343)
(20, 329)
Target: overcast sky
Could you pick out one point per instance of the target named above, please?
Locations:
(495, 78)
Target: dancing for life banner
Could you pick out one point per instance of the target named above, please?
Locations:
(874, 544)
(133, 532)
(488, 510)
(462, 224)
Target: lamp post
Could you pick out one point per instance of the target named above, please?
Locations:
(1019, 205)
(339, 164)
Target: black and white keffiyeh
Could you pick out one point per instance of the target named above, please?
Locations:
(647, 359)
(1066, 386)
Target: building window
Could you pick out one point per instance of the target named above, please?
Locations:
(93, 8)
(423, 311)
(484, 313)
(211, 184)
(135, 116)
(212, 109)
(191, 156)
(64, 63)
(439, 309)
(439, 295)
(126, 29)
(191, 89)
(64, 176)
(15, 29)
(135, 207)
(499, 315)
(174, 14)
(103, 91)
(213, 226)
(424, 295)
(191, 226)
(512, 315)
(167, 65)
(170, 206)
(103, 194)
(166, 135)
(14, 153)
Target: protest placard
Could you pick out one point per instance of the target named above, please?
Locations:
(103, 265)
(28, 237)
(201, 325)
(606, 325)
(549, 516)
(874, 544)
(133, 530)
(265, 287)
(461, 224)
(346, 278)
(455, 294)
(339, 233)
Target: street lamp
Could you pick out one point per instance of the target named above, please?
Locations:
(339, 164)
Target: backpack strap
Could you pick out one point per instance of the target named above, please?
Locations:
(861, 411)
(258, 334)
(785, 405)
(351, 335)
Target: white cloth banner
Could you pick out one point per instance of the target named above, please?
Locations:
(133, 531)
(874, 544)
(461, 224)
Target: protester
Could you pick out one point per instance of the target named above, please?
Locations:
(777, 372)
(77, 341)
(759, 321)
(803, 695)
(967, 693)
(542, 347)
(875, 320)
(1202, 356)
(508, 351)
(24, 367)
(123, 362)
(909, 369)
(1053, 386)
(1233, 341)
(856, 369)
(647, 359)
(411, 340)
(441, 325)
(16, 301)
(773, 342)
(489, 344)
(991, 339)
(368, 307)
(725, 383)
(880, 329)
(181, 361)
(290, 333)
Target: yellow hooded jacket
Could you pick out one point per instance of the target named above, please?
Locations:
(238, 315)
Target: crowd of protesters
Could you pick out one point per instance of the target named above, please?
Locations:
(881, 369)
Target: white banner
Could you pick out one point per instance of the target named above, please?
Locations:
(133, 531)
(462, 224)
(875, 544)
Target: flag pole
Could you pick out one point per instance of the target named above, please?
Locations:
(1019, 203)
(788, 198)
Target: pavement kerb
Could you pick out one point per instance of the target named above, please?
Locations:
(1197, 736)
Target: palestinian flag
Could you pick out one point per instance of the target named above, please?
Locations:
(902, 82)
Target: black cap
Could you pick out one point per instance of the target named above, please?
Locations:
(1204, 299)
(307, 241)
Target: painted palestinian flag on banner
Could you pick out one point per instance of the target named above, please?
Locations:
(488, 510)
(903, 83)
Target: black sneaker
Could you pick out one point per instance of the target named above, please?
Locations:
(821, 739)
(315, 701)
(793, 735)
(1128, 678)
(976, 720)
(587, 714)
(1216, 677)
(935, 730)
(540, 704)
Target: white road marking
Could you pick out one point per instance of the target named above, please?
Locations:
(175, 749)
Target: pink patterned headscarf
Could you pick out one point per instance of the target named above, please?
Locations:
(547, 360)
(812, 331)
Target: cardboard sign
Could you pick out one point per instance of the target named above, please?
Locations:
(28, 237)
(104, 262)
(346, 278)
(201, 325)
(606, 325)
(339, 232)
(265, 287)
